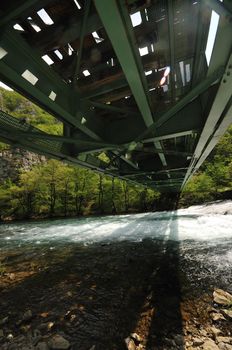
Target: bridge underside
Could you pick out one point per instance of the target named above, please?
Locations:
(147, 82)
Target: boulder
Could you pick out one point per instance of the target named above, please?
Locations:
(57, 342)
(197, 341)
(227, 340)
(215, 331)
(222, 298)
(210, 345)
(224, 346)
(217, 316)
(227, 312)
(27, 315)
(130, 344)
(42, 346)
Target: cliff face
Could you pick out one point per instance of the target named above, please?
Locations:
(14, 159)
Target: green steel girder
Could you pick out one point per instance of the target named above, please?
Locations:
(222, 8)
(117, 23)
(172, 48)
(172, 136)
(93, 162)
(189, 119)
(92, 146)
(70, 32)
(106, 88)
(111, 108)
(215, 125)
(161, 150)
(194, 93)
(112, 14)
(11, 73)
(165, 171)
(82, 35)
(199, 62)
(128, 159)
(21, 8)
(221, 129)
(219, 119)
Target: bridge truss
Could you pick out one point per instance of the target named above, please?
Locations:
(147, 82)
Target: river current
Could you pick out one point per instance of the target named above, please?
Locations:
(210, 222)
(110, 273)
(202, 233)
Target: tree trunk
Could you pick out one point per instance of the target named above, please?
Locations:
(114, 210)
(100, 195)
(126, 195)
(52, 197)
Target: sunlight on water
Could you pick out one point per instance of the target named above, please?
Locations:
(205, 222)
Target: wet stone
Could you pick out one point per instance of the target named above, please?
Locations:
(210, 345)
(27, 315)
(4, 320)
(197, 341)
(215, 331)
(227, 340)
(59, 343)
(222, 298)
(178, 339)
(224, 346)
(42, 346)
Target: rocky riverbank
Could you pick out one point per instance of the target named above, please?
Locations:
(116, 296)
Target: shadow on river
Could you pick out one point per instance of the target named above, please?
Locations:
(98, 295)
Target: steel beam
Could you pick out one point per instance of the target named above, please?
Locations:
(172, 48)
(91, 145)
(171, 136)
(112, 108)
(11, 70)
(211, 132)
(82, 36)
(222, 8)
(18, 9)
(111, 14)
(194, 93)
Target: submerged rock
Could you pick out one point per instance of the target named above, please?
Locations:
(224, 346)
(136, 337)
(197, 341)
(222, 298)
(58, 342)
(227, 313)
(130, 344)
(42, 346)
(215, 331)
(227, 340)
(4, 320)
(27, 315)
(217, 317)
(210, 345)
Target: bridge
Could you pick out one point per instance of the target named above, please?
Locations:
(147, 82)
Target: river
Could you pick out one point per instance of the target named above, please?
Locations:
(180, 256)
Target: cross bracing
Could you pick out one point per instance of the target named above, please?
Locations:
(148, 82)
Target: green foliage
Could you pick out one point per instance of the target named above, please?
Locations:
(11, 102)
(214, 177)
(58, 189)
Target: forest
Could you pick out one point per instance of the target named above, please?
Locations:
(55, 189)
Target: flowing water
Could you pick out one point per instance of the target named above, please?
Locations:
(211, 223)
(119, 269)
(203, 235)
